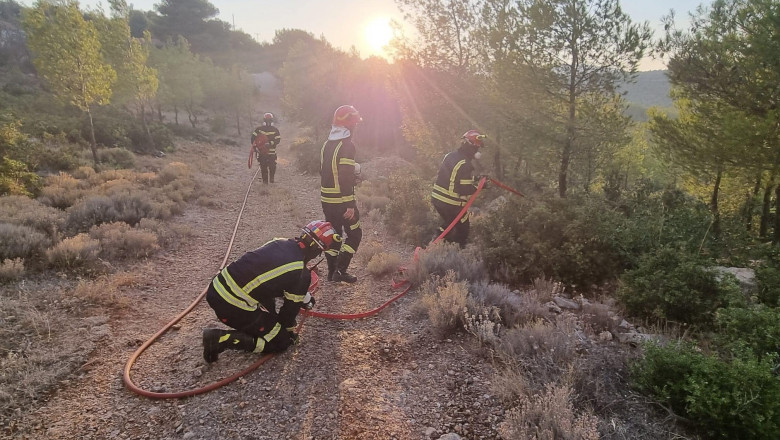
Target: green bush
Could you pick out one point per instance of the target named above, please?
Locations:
(17, 179)
(756, 328)
(96, 210)
(722, 400)
(673, 285)
(768, 279)
(118, 158)
(307, 155)
(410, 215)
(580, 242)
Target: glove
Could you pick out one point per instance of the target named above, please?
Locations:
(487, 180)
(308, 301)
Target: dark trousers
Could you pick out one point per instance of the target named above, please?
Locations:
(350, 231)
(256, 323)
(460, 232)
(267, 166)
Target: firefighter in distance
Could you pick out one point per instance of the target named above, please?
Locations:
(265, 139)
(455, 183)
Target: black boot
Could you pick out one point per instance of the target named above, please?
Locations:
(215, 341)
(271, 172)
(341, 273)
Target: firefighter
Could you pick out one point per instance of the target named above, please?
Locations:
(266, 154)
(455, 183)
(243, 294)
(337, 191)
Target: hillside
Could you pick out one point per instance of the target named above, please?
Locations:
(651, 89)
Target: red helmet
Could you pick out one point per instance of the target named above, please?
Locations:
(346, 116)
(268, 117)
(474, 138)
(321, 233)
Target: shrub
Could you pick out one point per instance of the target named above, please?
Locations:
(218, 124)
(116, 157)
(671, 285)
(514, 309)
(61, 191)
(169, 235)
(737, 399)
(11, 270)
(119, 240)
(549, 415)
(96, 210)
(79, 252)
(18, 241)
(544, 350)
(84, 173)
(443, 257)
(409, 215)
(446, 302)
(17, 179)
(25, 211)
(578, 242)
(369, 249)
(307, 155)
(383, 263)
(756, 328)
(483, 322)
(173, 171)
(768, 279)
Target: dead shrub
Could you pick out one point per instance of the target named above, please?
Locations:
(509, 384)
(25, 211)
(515, 309)
(96, 210)
(443, 257)
(18, 241)
(598, 317)
(483, 322)
(547, 289)
(79, 252)
(549, 416)
(169, 235)
(84, 173)
(118, 240)
(543, 349)
(370, 203)
(173, 171)
(383, 263)
(368, 250)
(61, 191)
(11, 270)
(446, 302)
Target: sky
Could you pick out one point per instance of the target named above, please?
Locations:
(363, 23)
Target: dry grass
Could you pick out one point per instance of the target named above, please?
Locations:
(598, 317)
(11, 270)
(119, 240)
(547, 289)
(515, 309)
(79, 253)
(383, 263)
(368, 249)
(446, 302)
(549, 416)
(169, 235)
(107, 289)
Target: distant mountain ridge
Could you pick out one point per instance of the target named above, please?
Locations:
(651, 89)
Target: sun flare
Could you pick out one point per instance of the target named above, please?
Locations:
(378, 34)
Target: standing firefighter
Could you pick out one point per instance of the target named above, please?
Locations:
(337, 191)
(243, 295)
(455, 183)
(265, 138)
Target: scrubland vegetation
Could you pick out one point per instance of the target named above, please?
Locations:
(628, 218)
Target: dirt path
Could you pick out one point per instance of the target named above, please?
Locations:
(384, 377)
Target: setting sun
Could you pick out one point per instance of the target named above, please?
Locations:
(378, 34)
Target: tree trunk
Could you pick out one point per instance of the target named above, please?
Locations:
(776, 233)
(176, 114)
(498, 169)
(714, 205)
(238, 123)
(159, 113)
(749, 204)
(764, 224)
(93, 142)
(149, 138)
(570, 126)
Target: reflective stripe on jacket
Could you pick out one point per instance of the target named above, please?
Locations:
(337, 172)
(275, 270)
(455, 180)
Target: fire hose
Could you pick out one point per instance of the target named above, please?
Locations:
(306, 313)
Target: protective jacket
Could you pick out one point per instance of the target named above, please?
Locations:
(455, 182)
(337, 172)
(272, 133)
(255, 280)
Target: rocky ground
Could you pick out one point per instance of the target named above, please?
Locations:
(383, 377)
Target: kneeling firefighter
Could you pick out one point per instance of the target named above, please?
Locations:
(243, 295)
